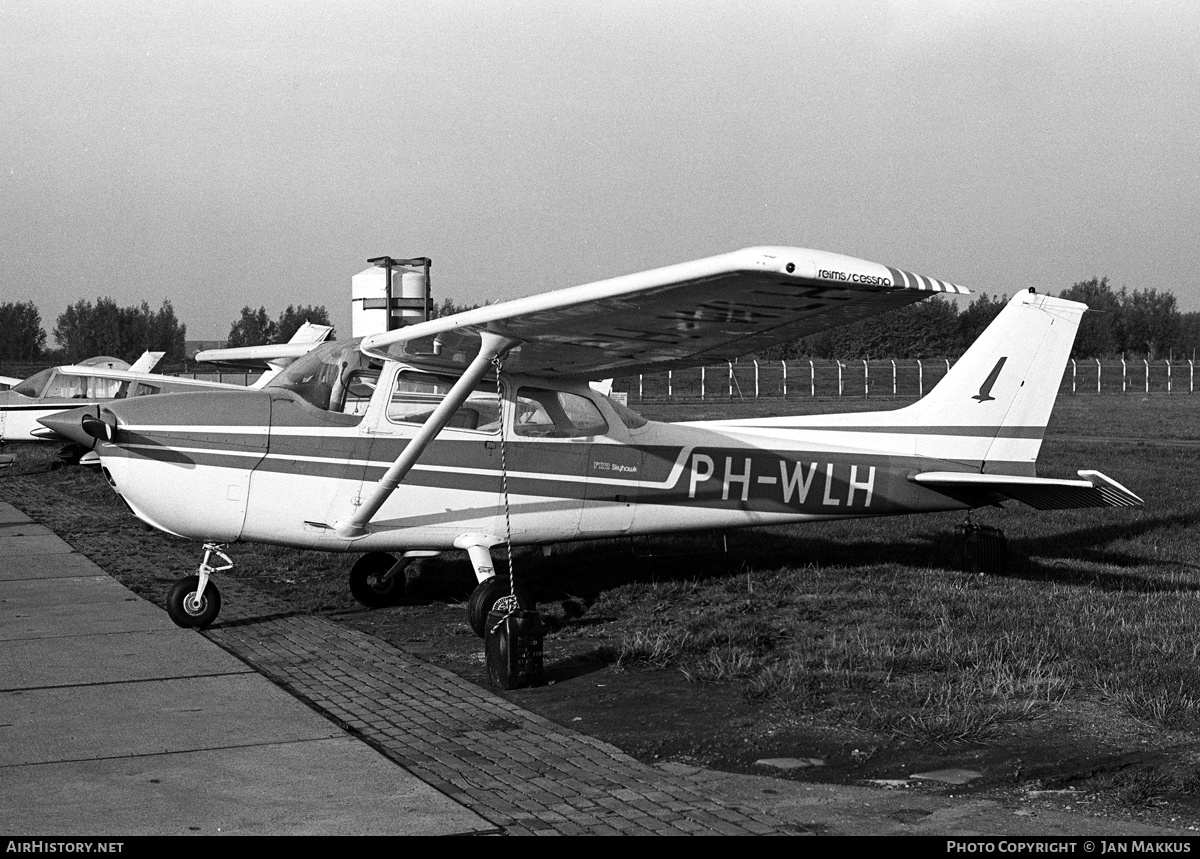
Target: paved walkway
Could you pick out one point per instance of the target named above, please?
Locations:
(157, 730)
(523, 773)
(115, 722)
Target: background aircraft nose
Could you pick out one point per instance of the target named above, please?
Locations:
(68, 425)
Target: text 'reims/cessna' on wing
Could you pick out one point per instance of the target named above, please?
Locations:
(480, 429)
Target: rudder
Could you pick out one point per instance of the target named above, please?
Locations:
(1002, 390)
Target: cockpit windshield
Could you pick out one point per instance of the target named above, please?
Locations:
(32, 387)
(334, 377)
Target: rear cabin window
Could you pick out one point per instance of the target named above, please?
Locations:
(416, 395)
(103, 389)
(542, 413)
(628, 416)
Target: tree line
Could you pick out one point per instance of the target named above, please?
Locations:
(85, 330)
(256, 328)
(1141, 322)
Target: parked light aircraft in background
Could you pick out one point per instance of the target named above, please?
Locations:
(67, 387)
(480, 429)
(104, 379)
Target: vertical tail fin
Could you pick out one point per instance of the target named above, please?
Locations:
(147, 362)
(1001, 392)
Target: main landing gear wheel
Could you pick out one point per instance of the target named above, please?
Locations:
(186, 611)
(493, 594)
(369, 584)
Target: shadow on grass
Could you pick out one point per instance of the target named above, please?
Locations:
(582, 571)
(1048, 558)
(574, 667)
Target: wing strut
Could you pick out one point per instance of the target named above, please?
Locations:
(491, 346)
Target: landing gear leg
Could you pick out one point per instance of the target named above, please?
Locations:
(194, 602)
(493, 593)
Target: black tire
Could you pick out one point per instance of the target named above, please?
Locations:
(492, 595)
(181, 606)
(367, 582)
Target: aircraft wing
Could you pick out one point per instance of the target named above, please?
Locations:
(707, 311)
(255, 357)
(307, 337)
(1041, 493)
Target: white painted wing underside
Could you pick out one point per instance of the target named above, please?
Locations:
(703, 312)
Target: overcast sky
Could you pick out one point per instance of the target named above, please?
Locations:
(223, 154)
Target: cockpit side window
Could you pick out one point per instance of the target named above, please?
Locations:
(415, 396)
(359, 388)
(66, 386)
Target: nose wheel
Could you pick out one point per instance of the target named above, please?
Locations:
(190, 608)
(194, 602)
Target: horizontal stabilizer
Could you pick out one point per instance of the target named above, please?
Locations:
(1041, 493)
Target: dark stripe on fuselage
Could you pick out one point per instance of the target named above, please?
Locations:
(974, 431)
(41, 405)
(818, 482)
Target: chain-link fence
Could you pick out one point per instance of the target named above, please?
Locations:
(885, 379)
(881, 379)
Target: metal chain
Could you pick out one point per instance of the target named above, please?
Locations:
(512, 578)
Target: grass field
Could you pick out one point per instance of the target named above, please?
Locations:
(869, 619)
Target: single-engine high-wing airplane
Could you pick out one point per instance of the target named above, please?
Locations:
(480, 429)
